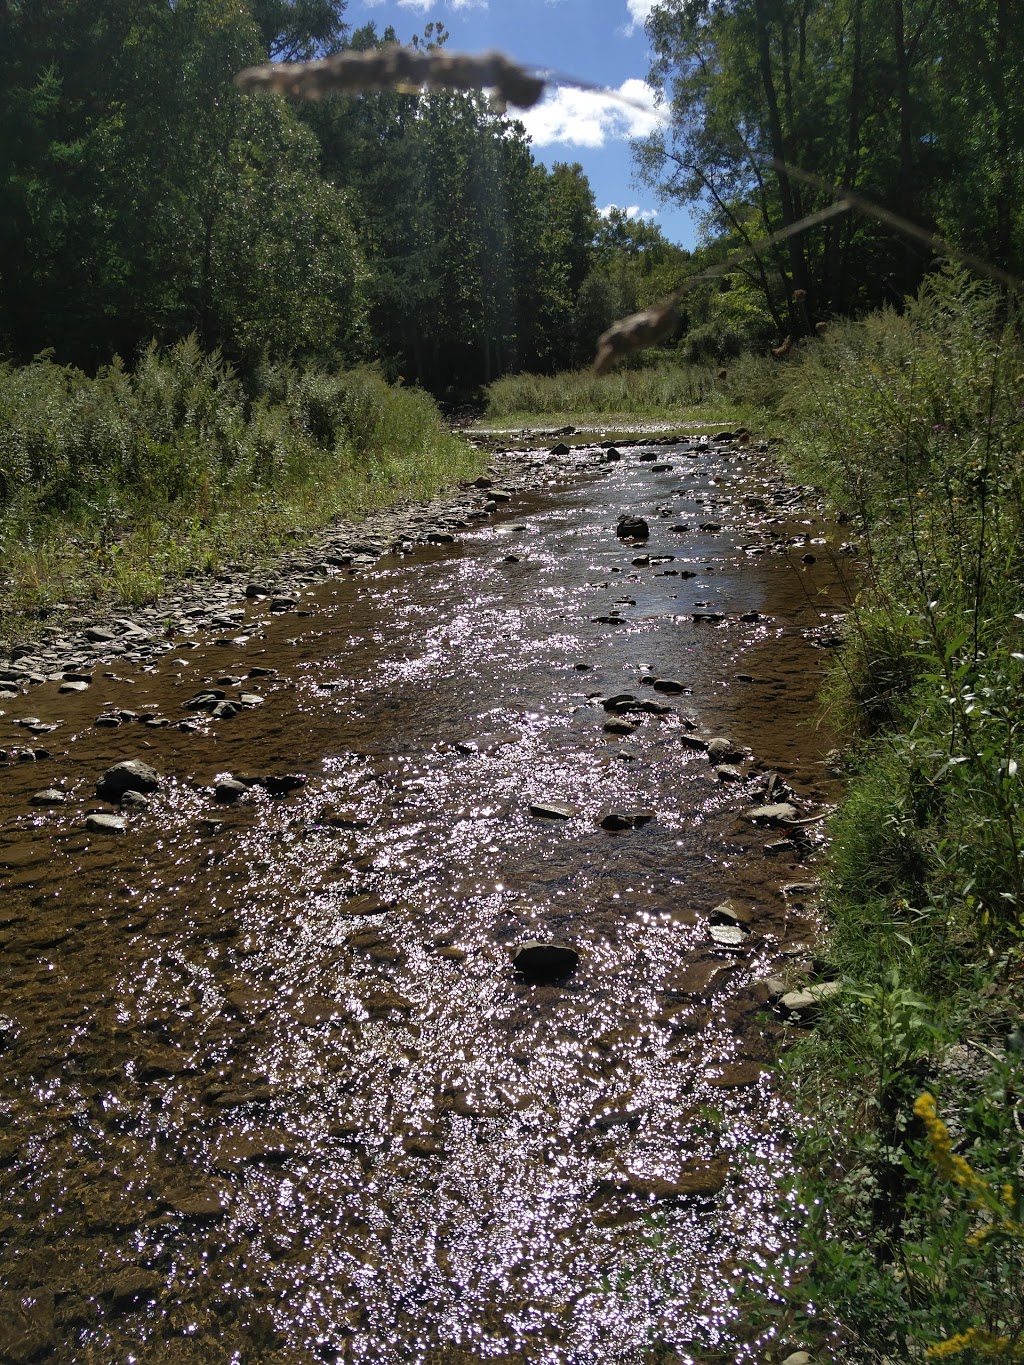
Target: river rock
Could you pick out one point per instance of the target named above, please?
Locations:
(618, 727)
(799, 1358)
(772, 814)
(540, 962)
(626, 819)
(668, 685)
(728, 935)
(133, 800)
(727, 772)
(270, 1147)
(229, 790)
(132, 1286)
(721, 750)
(731, 912)
(621, 701)
(199, 1205)
(105, 824)
(632, 528)
(554, 810)
(280, 784)
(49, 796)
(808, 1002)
(694, 1180)
(130, 775)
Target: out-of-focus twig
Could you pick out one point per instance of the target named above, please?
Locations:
(393, 67)
(641, 330)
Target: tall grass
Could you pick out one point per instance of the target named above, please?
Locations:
(111, 485)
(660, 390)
(914, 423)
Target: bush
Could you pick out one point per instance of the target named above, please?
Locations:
(914, 423)
(129, 476)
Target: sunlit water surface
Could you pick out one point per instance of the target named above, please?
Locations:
(272, 1090)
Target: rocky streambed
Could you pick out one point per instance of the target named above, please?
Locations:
(409, 993)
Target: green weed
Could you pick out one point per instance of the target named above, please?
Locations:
(115, 484)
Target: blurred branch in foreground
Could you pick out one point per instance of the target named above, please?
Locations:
(393, 67)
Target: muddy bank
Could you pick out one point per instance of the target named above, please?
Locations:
(273, 1089)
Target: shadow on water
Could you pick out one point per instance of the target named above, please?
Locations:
(272, 1090)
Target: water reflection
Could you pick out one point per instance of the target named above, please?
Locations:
(273, 1090)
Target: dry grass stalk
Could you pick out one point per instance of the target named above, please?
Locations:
(635, 333)
(393, 67)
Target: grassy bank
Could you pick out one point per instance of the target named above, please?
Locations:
(113, 486)
(668, 391)
(908, 1211)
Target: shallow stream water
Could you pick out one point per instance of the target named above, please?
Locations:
(272, 1090)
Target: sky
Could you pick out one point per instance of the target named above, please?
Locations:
(598, 41)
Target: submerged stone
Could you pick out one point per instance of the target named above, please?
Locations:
(545, 961)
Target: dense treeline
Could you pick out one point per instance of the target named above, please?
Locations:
(912, 103)
(143, 197)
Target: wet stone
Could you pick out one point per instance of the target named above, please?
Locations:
(774, 814)
(728, 935)
(731, 912)
(621, 701)
(554, 810)
(199, 1205)
(738, 1075)
(49, 796)
(808, 1002)
(106, 824)
(618, 727)
(722, 750)
(632, 528)
(229, 790)
(626, 819)
(726, 772)
(669, 685)
(699, 978)
(270, 1148)
(130, 775)
(131, 1287)
(540, 962)
(281, 784)
(696, 1179)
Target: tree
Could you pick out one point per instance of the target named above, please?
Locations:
(144, 197)
(843, 89)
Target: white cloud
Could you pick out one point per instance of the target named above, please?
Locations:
(635, 213)
(638, 12)
(588, 118)
(421, 6)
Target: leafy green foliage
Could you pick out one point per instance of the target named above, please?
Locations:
(914, 422)
(911, 103)
(112, 484)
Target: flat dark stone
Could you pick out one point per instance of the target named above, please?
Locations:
(545, 961)
(554, 810)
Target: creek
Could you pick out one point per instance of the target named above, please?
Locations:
(272, 1089)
